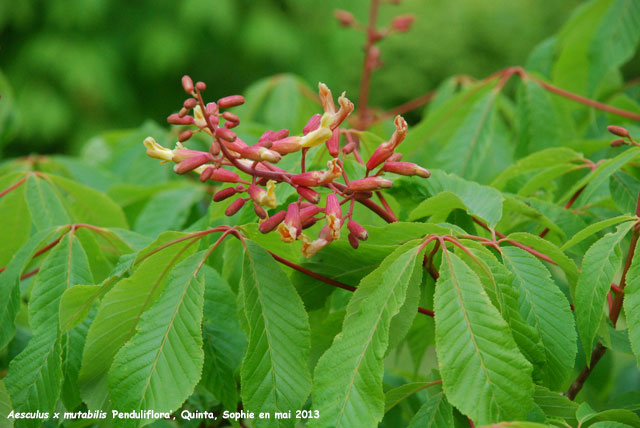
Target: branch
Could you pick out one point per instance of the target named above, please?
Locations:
(577, 385)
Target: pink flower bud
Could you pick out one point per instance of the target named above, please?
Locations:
(182, 154)
(370, 183)
(187, 84)
(291, 228)
(309, 194)
(235, 207)
(357, 230)
(307, 179)
(183, 112)
(333, 212)
(231, 101)
(272, 222)
(226, 134)
(619, 142)
(396, 157)
(381, 154)
(353, 240)
(230, 125)
(206, 174)
(264, 143)
(223, 194)
(201, 86)
(350, 147)
(618, 130)
(190, 103)
(309, 222)
(192, 163)
(325, 233)
(211, 108)
(312, 124)
(333, 143)
(362, 195)
(230, 116)
(175, 119)
(214, 148)
(286, 145)
(225, 176)
(185, 135)
(260, 212)
(406, 168)
(345, 18)
(307, 212)
(402, 23)
(280, 134)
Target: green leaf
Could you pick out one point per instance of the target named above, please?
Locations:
(484, 374)
(120, 310)
(594, 228)
(555, 405)
(35, 375)
(632, 303)
(348, 377)
(167, 210)
(539, 160)
(624, 190)
(543, 306)
(5, 407)
(10, 284)
(436, 412)
(274, 374)
(162, 363)
(77, 301)
(610, 424)
(599, 266)
(600, 36)
(401, 393)
(89, 205)
(482, 201)
(45, 206)
(622, 416)
(599, 176)
(224, 341)
(16, 220)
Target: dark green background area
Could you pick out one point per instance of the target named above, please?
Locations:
(73, 68)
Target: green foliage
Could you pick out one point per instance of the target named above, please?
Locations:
(124, 288)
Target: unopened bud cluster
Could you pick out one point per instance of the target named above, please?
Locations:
(252, 169)
(626, 139)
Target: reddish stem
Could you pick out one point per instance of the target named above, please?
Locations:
(13, 186)
(365, 81)
(566, 207)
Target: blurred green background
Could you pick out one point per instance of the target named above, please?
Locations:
(72, 68)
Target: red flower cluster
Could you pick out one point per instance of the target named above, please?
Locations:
(258, 161)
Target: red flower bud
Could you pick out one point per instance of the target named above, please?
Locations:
(181, 154)
(272, 222)
(230, 116)
(223, 194)
(225, 176)
(402, 23)
(187, 84)
(185, 135)
(307, 179)
(357, 230)
(362, 195)
(214, 148)
(307, 212)
(396, 157)
(345, 18)
(618, 130)
(333, 143)
(280, 134)
(206, 174)
(176, 119)
(309, 222)
(312, 124)
(381, 154)
(257, 153)
(260, 212)
(350, 147)
(230, 125)
(353, 240)
(406, 168)
(201, 86)
(309, 194)
(235, 207)
(617, 143)
(192, 163)
(211, 108)
(231, 101)
(370, 183)
(190, 103)
(226, 134)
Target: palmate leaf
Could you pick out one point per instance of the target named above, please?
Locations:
(161, 364)
(274, 374)
(483, 372)
(5, 407)
(16, 220)
(44, 204)
(632, 303)
(599, 266)
(120, 311)
(544, 307)
(593, 229)
(624, 189)
(555, 405)
(348, 377)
